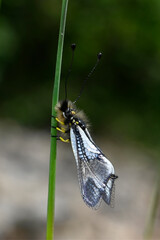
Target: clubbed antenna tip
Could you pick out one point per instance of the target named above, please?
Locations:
(73, 46)
(99, 55)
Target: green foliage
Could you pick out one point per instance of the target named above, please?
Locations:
(122, 96)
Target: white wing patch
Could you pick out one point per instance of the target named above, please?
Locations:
(94, 169)
(74, 145)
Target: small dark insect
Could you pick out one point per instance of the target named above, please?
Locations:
(95, 172)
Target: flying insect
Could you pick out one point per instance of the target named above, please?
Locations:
(96, 173)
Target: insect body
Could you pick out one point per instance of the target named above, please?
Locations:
(95, 172)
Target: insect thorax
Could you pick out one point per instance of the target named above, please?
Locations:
(69, 115)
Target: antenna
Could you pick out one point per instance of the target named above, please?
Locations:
(73, 46)
(99, 55)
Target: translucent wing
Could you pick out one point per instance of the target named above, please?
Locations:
(94, 169)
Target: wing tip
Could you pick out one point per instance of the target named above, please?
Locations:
(109, 192)
(92, 205)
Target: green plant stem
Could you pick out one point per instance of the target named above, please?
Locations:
(153, 209)
(52, 167)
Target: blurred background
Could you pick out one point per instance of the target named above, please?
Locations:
(121, 100)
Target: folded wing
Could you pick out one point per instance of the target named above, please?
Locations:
(94, 169)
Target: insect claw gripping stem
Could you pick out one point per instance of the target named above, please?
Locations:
(62, 123)
(62, 139)
(59, 129)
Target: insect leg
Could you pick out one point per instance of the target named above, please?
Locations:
(62, 139)
(59, 129)
(62, 123)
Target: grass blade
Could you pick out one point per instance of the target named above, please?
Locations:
(148, 234)
(52, 167)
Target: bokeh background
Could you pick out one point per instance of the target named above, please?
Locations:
(121, 99)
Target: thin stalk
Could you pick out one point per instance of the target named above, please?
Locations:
(153, 209)
(52, 167)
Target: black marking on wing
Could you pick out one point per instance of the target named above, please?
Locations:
(92, 194)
